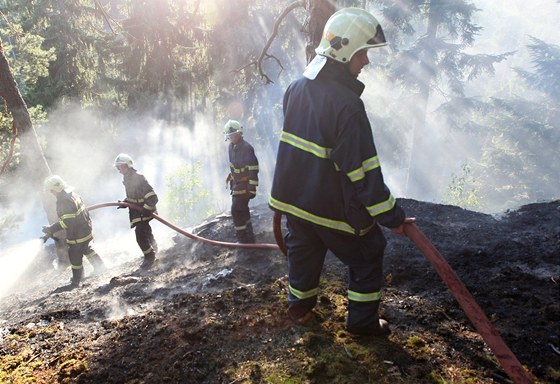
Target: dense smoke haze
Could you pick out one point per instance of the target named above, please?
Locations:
(81, 145)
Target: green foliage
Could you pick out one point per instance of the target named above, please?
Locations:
(69, 28)
(174, 58)
(463, 190)
(430, 40)
(9, 152)
(518, 157)
(546, 62)
(9, 148)
(164, 51)
(26, 56)
(186, 193)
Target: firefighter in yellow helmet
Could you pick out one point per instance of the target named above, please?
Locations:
(243, 180)
(74, 218)
(140, 193)
(328, 179)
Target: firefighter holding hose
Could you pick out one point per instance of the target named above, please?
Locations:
(328, 180)
(140, 193)
(74, 218)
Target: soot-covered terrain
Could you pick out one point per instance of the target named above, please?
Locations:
(206, 314)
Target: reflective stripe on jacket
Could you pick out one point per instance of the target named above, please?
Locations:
(244, 168)
(139, 192)
(73, 217)
(327, 169)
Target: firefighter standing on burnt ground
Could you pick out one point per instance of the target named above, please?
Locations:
(328, 179)
(242, 179)
(74, 218)
(140, 193)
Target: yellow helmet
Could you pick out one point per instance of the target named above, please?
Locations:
(54, 183)
(123, 158)
(348, 31)
(233, 126)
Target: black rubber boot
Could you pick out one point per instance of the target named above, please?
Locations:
(97, 263)
(149, 261)
(250, 235)
(380, 330)
(246, 236)
(76, 277)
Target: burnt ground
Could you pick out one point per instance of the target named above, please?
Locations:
(215, 315)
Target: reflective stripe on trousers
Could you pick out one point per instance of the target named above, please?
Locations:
(363, 255)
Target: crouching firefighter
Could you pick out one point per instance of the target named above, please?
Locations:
(242, 179)
(74, 218)
(140, 193)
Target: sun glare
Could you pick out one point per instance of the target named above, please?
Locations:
(15, 261)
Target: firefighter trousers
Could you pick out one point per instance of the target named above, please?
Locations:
(363, 255)
(242, 219)
(145, 239)
(76, 252)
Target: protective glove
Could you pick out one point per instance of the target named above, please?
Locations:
(251, 194)
(146, 212)
(229, 179)
(46, 230)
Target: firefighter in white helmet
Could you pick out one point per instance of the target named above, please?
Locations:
(243, 180)
(328, 179)
(140, 193)
(74, 218)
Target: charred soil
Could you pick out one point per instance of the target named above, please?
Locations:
(205, 314)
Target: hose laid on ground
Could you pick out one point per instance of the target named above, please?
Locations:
(476, 315)
(185, 233)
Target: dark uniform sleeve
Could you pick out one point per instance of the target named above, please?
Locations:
(66, 212)
(253, 172)
(73, 217)
(355, 154)
(150, 197)
(140, 193)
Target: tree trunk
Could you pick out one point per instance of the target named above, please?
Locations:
(33, 168)
(418, 175)
(319, 12)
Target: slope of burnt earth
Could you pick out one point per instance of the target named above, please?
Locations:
(207, 314)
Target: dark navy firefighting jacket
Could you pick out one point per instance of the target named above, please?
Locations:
(139, 192)
(73, 217)
(327, 169)
(244, 168)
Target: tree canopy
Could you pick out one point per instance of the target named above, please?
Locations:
(173, 58)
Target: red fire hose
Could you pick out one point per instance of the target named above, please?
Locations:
(276, 226)
(476, 315)
(505, 356)
(183, 232)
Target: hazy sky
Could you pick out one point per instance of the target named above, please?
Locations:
(508, 23)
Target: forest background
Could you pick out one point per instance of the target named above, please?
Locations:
(464, 102)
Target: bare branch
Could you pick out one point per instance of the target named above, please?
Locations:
(264, 53)
(105, 16)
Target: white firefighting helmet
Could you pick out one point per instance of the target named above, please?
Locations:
(122, 159)
(346, 32)
(233, 126)
(54, 183)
